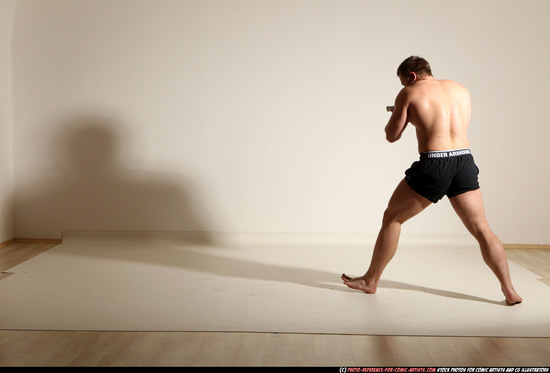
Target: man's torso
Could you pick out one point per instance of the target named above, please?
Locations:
(440, 110)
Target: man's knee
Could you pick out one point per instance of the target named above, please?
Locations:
(480, 229)
(391, 216)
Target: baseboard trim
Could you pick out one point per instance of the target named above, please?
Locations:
(525, 246)
(60, 240)
(37, 240)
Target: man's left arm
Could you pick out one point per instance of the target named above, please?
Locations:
(399, 118)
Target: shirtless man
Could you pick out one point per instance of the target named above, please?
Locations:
(440, 111)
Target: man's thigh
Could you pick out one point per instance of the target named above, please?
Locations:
(469, 207)
(405, 203)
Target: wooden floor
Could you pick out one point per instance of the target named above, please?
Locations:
(85, 348)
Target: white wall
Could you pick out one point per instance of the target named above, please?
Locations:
(265, 115)
(7, 9)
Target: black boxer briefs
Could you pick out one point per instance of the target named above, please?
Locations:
(440, 173)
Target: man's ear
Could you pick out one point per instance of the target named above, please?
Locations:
(412, 77)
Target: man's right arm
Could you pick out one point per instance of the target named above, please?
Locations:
(399, 118)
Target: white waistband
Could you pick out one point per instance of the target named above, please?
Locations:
(446, 153)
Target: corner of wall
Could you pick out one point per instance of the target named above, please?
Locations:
(7, 14)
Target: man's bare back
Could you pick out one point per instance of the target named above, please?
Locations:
(440, 110)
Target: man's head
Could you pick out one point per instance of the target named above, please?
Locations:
(412, 69)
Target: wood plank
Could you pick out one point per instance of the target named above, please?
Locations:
(7, 243)
(17, 253)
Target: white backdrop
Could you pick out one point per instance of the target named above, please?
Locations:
(265, 115)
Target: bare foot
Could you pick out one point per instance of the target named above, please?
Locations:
(512, 297)
(359, 283)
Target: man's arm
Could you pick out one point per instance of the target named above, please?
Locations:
(398, 120)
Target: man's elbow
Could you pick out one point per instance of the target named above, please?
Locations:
(392, 138)
(391, 134)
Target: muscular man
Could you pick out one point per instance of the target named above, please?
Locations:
(440, 111)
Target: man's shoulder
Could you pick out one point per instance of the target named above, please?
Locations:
(452, 83)
(434, 86)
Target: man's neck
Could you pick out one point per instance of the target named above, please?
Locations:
(425, 77)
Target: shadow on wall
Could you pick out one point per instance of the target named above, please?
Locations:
(91, 189)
